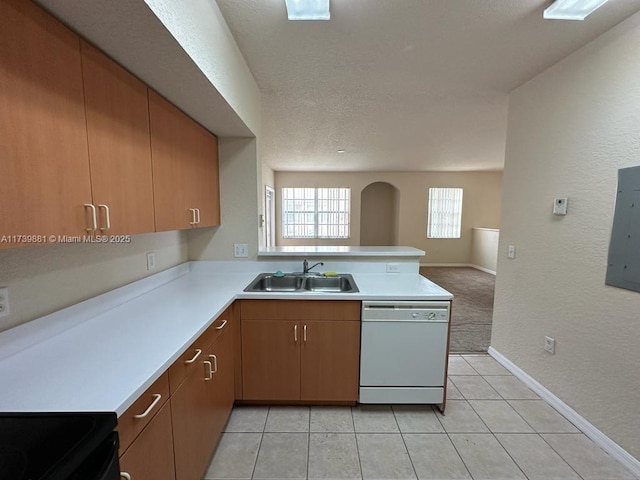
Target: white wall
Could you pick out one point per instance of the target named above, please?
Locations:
(481, 206)
(199, 27)
(238, 204)
(268, 179)
(43, 279)
(484, 248)
(569, 130)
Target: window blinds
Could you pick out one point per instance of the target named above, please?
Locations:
(444, 213)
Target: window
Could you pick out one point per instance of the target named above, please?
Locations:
(315, 212)
(444, 213)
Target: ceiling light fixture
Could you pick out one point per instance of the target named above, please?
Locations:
(572, 9)
(308, 9)
(341, 151)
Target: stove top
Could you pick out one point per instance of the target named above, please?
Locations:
(49, 446)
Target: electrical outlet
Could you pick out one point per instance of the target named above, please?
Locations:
(240, 250)
(4, 302)
(549, 345)
(393, 268)
(151, 260)
(511, 252)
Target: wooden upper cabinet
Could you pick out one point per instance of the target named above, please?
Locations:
(185, 164)
(208, 192)
(117, 111)
(43, 139)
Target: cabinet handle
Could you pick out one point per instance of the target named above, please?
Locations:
(125, 475)
(304, 333)
(209, 372)
(94, 222)
(193, 359)
(295, 333)
(197, 215)
(215, 363)
(193, 216)
(107, 217)
(156, 399)
(222, 325)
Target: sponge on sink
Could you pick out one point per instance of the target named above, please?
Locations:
(330, 274)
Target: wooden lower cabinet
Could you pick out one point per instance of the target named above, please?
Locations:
(222, 385)
(200, 408)
(270, 360)
(330, 360)
(192, 424)
(150, 456)
(178, 442)
(314, 357)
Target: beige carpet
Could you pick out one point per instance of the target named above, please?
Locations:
(472, 305)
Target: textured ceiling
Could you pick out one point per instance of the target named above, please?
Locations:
(417, 85)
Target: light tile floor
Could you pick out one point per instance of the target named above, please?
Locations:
(494, 428)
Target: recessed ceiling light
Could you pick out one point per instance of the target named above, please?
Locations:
(341, 151)
(572, 9)
(308, 9)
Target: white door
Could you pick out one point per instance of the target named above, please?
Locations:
(269, 217)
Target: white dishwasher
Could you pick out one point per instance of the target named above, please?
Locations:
(403, 351)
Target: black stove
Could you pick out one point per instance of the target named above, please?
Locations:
(57, 446)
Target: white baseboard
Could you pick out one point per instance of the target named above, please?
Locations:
(599, 438)
(482, 269)
(446, 265)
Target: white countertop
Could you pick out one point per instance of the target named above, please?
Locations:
(100, 355)
(341, 251)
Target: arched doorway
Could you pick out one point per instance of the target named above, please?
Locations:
(379, 205)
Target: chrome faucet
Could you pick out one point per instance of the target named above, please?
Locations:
(306, 267)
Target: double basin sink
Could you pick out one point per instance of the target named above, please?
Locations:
(301, 283)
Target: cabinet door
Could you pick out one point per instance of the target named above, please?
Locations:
(329, 358)
(185, 168)
(43, 136)
(234, 313)
(270, 359)
(222, 386)
(207, 189)
(150, 456)
(192, 424)
(119, 152)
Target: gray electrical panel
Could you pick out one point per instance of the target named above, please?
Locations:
(623, 268)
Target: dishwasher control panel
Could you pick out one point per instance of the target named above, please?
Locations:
(405, 311)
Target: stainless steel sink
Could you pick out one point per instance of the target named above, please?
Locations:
(268, 282)
(341, 283)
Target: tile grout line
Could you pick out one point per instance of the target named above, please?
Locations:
(535, 432)
(452, 444)
(558, 453)
(413, 467)
(512, 459)
(355, 434)
(465, 361)
(451, 441)
(512, 407)
(480, 433)
(264, 426)
(309, 442)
